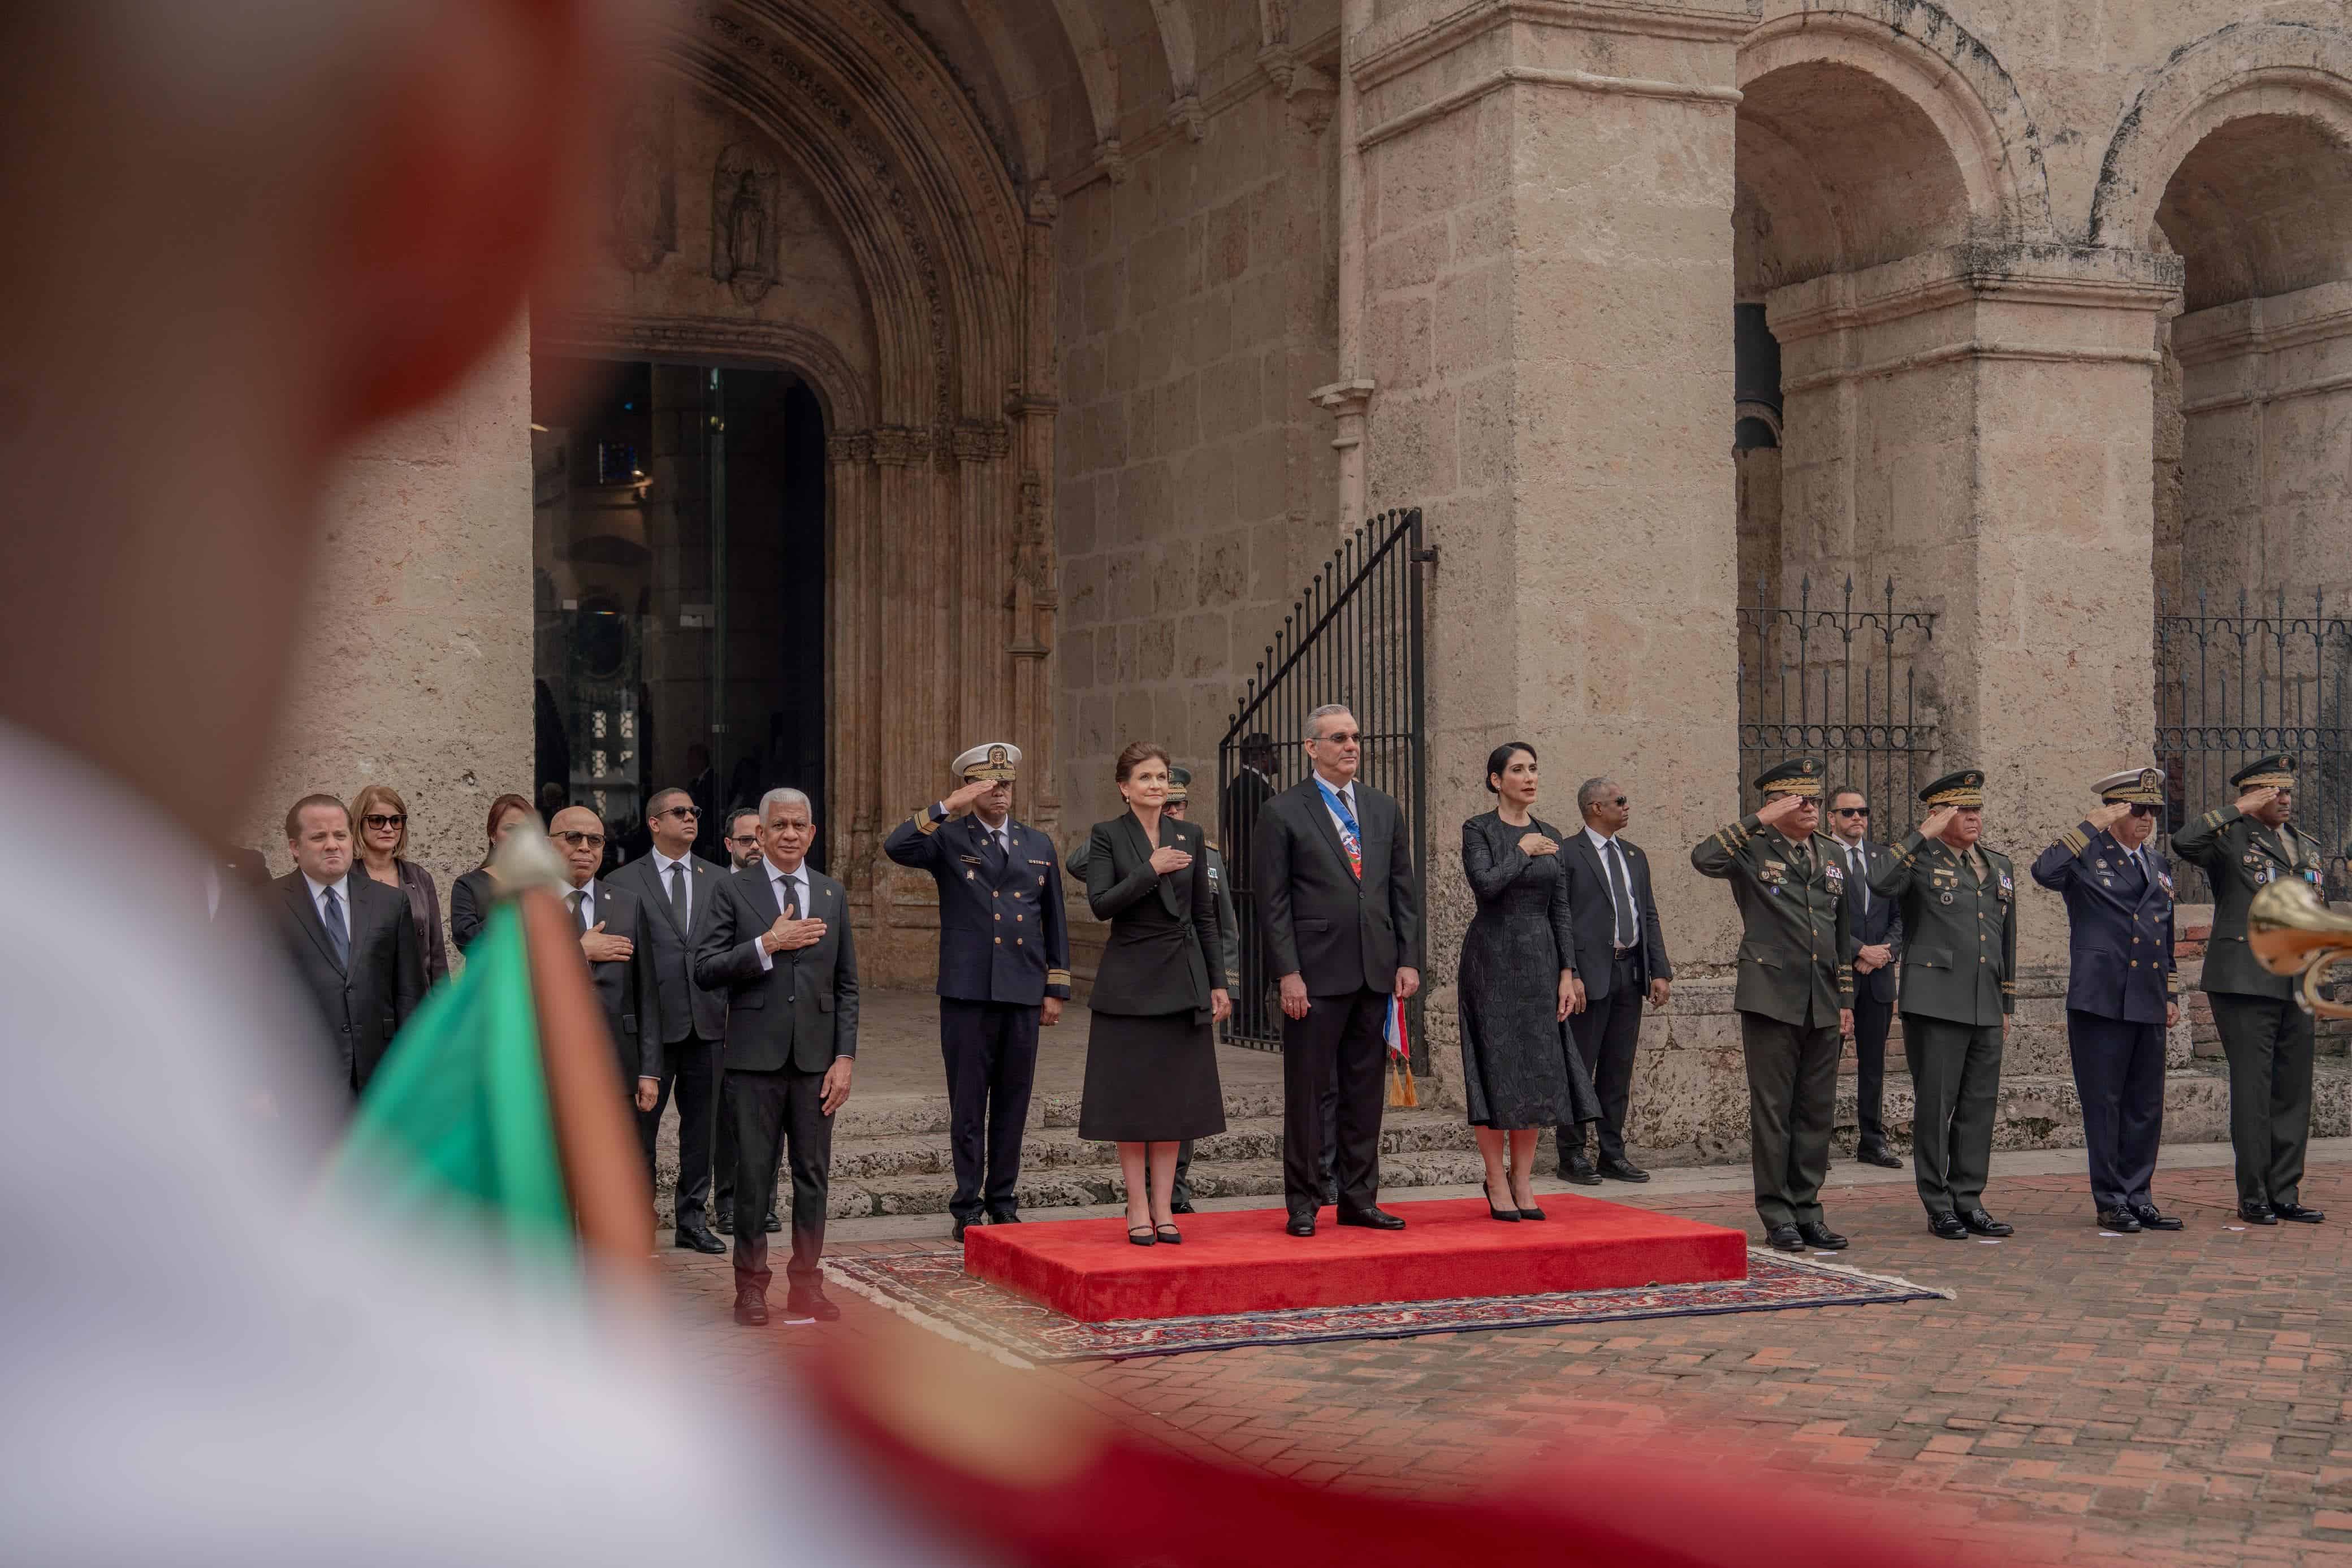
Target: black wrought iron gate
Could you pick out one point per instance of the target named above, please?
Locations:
(1354, 636)
(2234, 688)
(1840, 683)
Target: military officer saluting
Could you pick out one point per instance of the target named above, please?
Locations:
(1795, 995)
(1959, 964)
(2121, 989)
(2265, 1034)
(1004, 969)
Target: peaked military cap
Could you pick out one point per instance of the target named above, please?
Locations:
(2270, 773)
(1798, 776)
(997, 761)
(1180, 784)
(2133, 787)
(1965, 788)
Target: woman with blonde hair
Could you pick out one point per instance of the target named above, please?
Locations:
(381, 815)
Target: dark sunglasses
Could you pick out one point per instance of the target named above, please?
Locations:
(1849, 811)
(1619, 801)
(373, 819)
(2143, 810)
(694, 811)
(579, 839)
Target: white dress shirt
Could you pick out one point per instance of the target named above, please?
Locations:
(342, 886)
(1601, 846)
(787, 885)
(685, 864)
(1347, 793)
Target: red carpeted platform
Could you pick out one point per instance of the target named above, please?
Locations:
(1243, 1260)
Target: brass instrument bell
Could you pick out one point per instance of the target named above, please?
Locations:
(2291, 931)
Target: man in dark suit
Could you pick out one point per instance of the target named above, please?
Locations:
(1794, 994)
(1004, 969)
(350, 938)
(2265, 1034)
(1621, 959)
(743, 850)
(2123, 989)
(677, 886)
(1878, 936)
(1341, 919)
(614, 939)
(778, 943)
(1245, 796)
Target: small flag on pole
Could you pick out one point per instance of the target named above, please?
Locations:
(1402, 1093)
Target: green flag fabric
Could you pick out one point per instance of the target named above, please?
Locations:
(456, 1122)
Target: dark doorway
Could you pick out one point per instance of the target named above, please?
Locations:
(679, 544)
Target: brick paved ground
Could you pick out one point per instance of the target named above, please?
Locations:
(2160, 1398)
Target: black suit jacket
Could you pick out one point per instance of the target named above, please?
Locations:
(470, 906)
(625, 985)
(1592, 914)
(1321, 923)
(1163, 928)
(802, 1011)
(364, 1004)
(1882, 921)
(687, 1008)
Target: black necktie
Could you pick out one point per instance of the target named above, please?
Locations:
(787, 889)
(579, 897)
(338, 938)
(677, 891)
(1855, 862)
(1622, 895)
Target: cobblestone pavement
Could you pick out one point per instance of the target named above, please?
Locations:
(2175, 1399)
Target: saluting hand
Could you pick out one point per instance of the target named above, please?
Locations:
(603, 949)
(1164, 861)
(1938, 820)
(2109, 814)
(2253, 800)
(1779, 809)
(963, 800)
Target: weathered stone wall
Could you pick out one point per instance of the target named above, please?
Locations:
(1195, 497)
(414, 663)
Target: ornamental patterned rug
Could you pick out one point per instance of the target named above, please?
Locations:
(930, 1287)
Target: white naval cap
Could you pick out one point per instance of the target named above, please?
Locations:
(998, 761)
(2133, 786)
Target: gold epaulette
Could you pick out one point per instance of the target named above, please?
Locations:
(927, 824)
(2075, 841)
(1902, 854)
(2210, 819)
(1057, 977)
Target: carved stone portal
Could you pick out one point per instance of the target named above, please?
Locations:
(642, 193)
(743, 224)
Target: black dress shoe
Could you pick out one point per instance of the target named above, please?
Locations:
(1579, 1171)
(1181, 1206)
(2124, 1222)
(1984, 1224)
(1004, 1217)
(750, 1307)
(772, 1224)
(1822, 1236)
(1622, 1170)
(723, 1223)
(1371, 1219)
(2257, 1214)
(809, 1304)
(2151, 1217)
(1946, 1226)
(1878, 1156)
(699, 1238)
(2297, 1213)
(956, 1232)
(1784, 1239)
(1301, 1225)
(1497, 1212)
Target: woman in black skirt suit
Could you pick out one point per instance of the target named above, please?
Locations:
(1151, 1059)
(1519, 984)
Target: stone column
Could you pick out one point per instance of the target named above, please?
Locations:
(1548, 199)
(1988, 411)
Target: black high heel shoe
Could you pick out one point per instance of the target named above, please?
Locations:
(1140, 1235)
(1495, 1212)
(1168, 1234)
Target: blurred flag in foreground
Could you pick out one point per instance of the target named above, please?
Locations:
(1401, 1091)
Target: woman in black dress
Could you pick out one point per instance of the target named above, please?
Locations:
(1151, 1059)
(1519, 984)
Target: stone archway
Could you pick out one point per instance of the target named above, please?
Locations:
(810, 187)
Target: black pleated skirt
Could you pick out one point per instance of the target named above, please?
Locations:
(1150, 1079)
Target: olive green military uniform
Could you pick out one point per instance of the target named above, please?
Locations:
(2265, 1034)
(1796, 974)
(1959, 968)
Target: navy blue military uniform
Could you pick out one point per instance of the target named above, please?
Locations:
(2121, 978)
(1004, 948)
